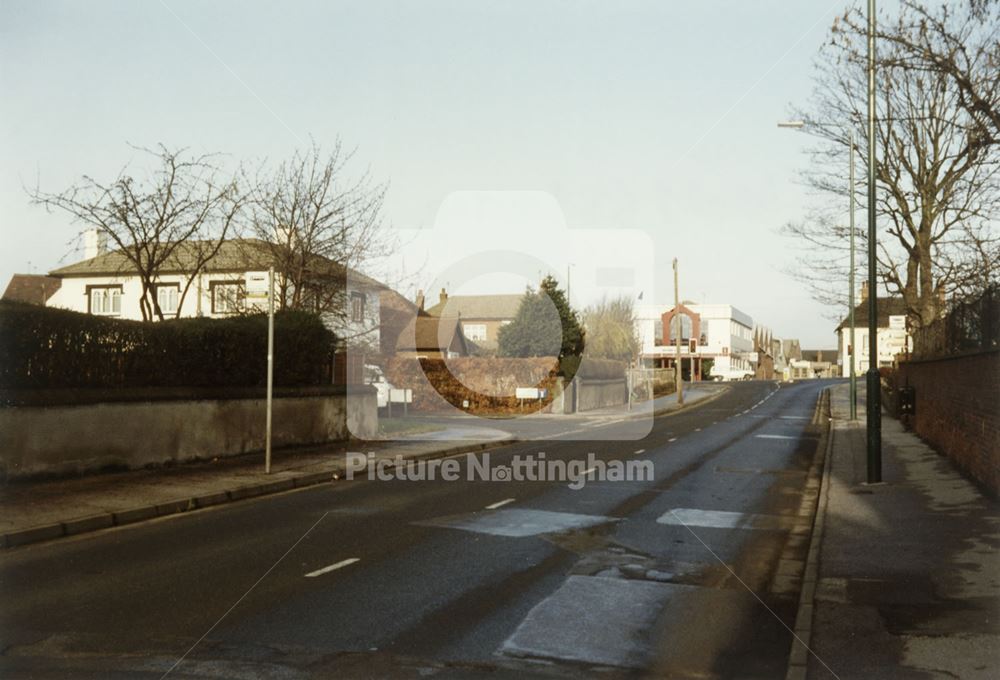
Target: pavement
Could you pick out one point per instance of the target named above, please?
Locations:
(906, 573)
(33, 511)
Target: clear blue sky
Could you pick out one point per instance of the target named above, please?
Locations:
(652, 116)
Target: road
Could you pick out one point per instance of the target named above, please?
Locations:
(683, 575)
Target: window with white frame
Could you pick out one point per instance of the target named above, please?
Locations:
(227, 296)
(474, 331)
(167, 297)
(105, 300)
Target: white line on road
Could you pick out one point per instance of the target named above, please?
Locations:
(333, 567)
(773, 436)
(499, 504)
(697, 429)
(672, 439)
(638, 451)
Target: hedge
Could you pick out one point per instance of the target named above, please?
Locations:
(43, 348)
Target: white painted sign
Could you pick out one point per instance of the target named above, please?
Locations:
(530, 393)
(257, 285)
(401, 396)
(897, 322)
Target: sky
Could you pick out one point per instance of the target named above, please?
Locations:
(517, 138)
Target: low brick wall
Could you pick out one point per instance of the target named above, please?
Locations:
(488, 384)
(958, 410)
(59, 440)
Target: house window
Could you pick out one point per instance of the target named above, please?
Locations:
(357, 307)
(474, 331)
(104, 300)
(168, 297)
(227, 296)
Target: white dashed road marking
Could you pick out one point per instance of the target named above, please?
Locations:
(773, 436)
(638, 451)
(333, 567)
(500, 504)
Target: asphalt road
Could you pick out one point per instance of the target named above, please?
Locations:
(680, 575)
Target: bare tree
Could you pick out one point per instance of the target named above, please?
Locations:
(174, 219)
(316, 226)
(960, 41)
(936, 171)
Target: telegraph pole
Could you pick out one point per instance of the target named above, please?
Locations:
(678, 376)
(873, 405)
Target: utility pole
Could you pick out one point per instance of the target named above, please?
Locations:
(873, 405)
(678, 376)
(850, 313)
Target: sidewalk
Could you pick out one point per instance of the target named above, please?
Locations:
(908, 582)
(34, 511)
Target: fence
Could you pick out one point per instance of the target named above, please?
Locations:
(969, 326)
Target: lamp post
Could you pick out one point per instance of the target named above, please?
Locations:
(799, 124)
(873, 406)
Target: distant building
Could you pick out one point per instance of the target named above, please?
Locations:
(822, 362)
(893, 338)
(480, 317)
(431, 337)
(718, 332)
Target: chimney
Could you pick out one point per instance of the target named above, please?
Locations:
(420, 299)
(864, 291)
(444, 296)
(95, 242)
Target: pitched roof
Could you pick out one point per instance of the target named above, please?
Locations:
(819, 355)
(887, 306)
(32, 288)
(234, 255)
(478, 306)
(432, 334)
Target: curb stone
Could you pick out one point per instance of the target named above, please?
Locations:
(82, 525)
(798, 657)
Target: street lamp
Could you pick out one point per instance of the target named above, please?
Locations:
(873, 407)
(798, 125)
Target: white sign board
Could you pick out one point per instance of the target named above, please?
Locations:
(258, 285)
(401, 396)
(897, 323)
(529, 393)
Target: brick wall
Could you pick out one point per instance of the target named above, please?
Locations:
(958, 410)
(488, 384)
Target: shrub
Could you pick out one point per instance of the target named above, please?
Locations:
(53, 348)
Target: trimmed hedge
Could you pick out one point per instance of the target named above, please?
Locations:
(43, 348)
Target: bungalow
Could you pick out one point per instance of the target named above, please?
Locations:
(106, 283)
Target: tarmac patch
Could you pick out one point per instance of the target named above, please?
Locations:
(517, 522)
(596, 620)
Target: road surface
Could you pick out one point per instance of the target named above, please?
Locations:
(683, 575)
